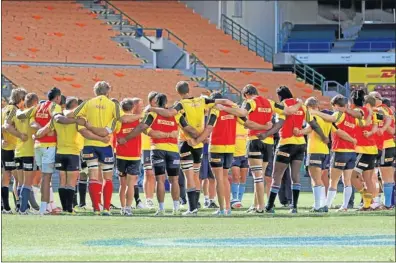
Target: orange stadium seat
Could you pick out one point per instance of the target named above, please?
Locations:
(54, 37)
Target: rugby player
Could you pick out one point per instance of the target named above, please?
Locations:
(101, 113)
(260, 111)
(10, 136)
(291, 148)
(69, 145)
(165, 157)
(193, 110)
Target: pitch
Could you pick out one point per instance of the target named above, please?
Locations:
(351, 236)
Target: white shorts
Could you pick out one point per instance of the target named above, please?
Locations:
(45, 159)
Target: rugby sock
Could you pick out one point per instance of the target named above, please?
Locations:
(388, 192)
(75, 196)
(234, 191)
(330, 196)
(107, 193)
(273, 193)
(32, 201)
(43, 207)
(241, 191)
(70, 190)
(206, 198)
(136, 194)
(197, 195)
(322, 196)
(296, 193)
(4, 196)
(191, 198)
(347, 195)
(176, 205)
(25, 193)
(62, 197)
(393, 195)
(82, 190)
(52, 202)
(19, 189)
(317, 194)
(95, 189)
(161, 206)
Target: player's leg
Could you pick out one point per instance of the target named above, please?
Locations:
(387, 173)
(106, 160)
(132, 171)
(314, 163)
(182, 186)
(242, 182)
(8, 165)
(60, 163)
(172, 169)
(216, 163)
(366, 166)
(346, 178)
(236, 175)
(212, 189)
(36, 180)
(227, 162)
(149, 180)
(186, 164)
(197, 160)
(29, 176)
(297, 157)
(203, 177)
(95, 184)
(82, 184)
(340, 162)
(121, 171)
(159, 168)
(255, 155)
(72, 164)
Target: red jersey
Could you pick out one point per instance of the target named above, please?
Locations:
(224, 132)
(262, 114)
(347, 124)
(43, 116)
(132, 149)
(292, 121)
(164, 124)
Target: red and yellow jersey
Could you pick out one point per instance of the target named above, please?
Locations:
(223, 135)
(43, 115)
(8, 113)
(132, 149)
(157, 122)
(379, 138)
(295, 120)
(388, 138)
(348, 124)
(366, 145)
(261, 111)
(315, 144)
(241, 140)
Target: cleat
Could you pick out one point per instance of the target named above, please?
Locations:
(113, 207)
(199, 205)
(23, 213)
(259, 211)
(228, 212)
(140, 205)
(100, 207)
(190, 213)
(7, 212)
(313, 210)
(269, 211)
(376, 206)
(236, 204)
(149, 204)
(79, 209)
(219, 213)
(293, 211)
(97, 213)
(206, 204)
(127, 212)
(364, 209)
(176, 212)
(122, 211)
(213, 204)
(159, 213)
(183, 201)
(325, 209)
(388, 208)
(342, 209)
(251, 209)
(45, 213)
(106, 213)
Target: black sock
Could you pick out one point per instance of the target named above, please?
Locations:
(16, 201)
(197, 195)
(296, 194)
(136, 194)
(191, 199)
(62, 197)
(69, 197)
(271, 200)
(4, 197)
(75, 196)
(82, 190)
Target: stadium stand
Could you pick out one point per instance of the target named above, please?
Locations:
(44, 32)
(76, 81)
(375, 38)
(311, 38)
(210, 44)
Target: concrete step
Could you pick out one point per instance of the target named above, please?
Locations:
(116, 22)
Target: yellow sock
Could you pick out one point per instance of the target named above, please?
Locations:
(367, 198)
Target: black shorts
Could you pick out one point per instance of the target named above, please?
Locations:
(131, 167)
(326, 163)
(365, 162)
(165, 162)
(146, 159)
(205, 172)
(218, 160)
(315, 160)
(8, 160)
(25, 163)
(189, 153)
(67, 162)
(240, 161)
(387, 157)
(257, 149)
(290, 152)
(343, 160)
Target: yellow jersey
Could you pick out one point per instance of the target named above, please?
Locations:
(24, 149)
(100, 112)
(315, 144)
(193, 110)
(7, 114)
(241, 140)
(146, 145)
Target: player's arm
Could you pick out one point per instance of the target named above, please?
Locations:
(44, 130)
(277, 126)
(289, 110)
(208, 129)
(315, 126)
(327, 117)
(80, 111)
(304, 131)
(356, 113)
(142, 126)
(251, 125)
(87, 134)
(166, 112)
(128, 118)
(160, 134)
(193, 133)
(59, 118)
(243, 111)
(26, 114)
(367, 121)
(375, 119)
(387, 123)
(9, 125)
(343, 134)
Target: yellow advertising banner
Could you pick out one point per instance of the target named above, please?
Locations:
(372, 76)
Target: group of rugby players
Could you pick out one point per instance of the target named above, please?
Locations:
(64, 134)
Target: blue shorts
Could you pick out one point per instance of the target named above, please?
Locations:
(326, 162)
(165, 162)
(104, 155)
(240, 161)
(317, 160)
(146, 160)
(205, 172)
(343, 160)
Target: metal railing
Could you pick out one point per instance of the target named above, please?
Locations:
(364, 45)
(307, 47)
(308, 74)
(337, 87)
(246, 38)
(209, 73)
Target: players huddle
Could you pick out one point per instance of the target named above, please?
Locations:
(104, 135)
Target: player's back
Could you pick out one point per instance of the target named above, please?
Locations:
(99, 111)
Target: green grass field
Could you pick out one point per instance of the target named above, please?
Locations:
(350, 236)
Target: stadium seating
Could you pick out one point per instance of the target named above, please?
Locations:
(210, 44)
(375, 38)
(311, 38)
(388, 91)
(76, 81)
(45, 32)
